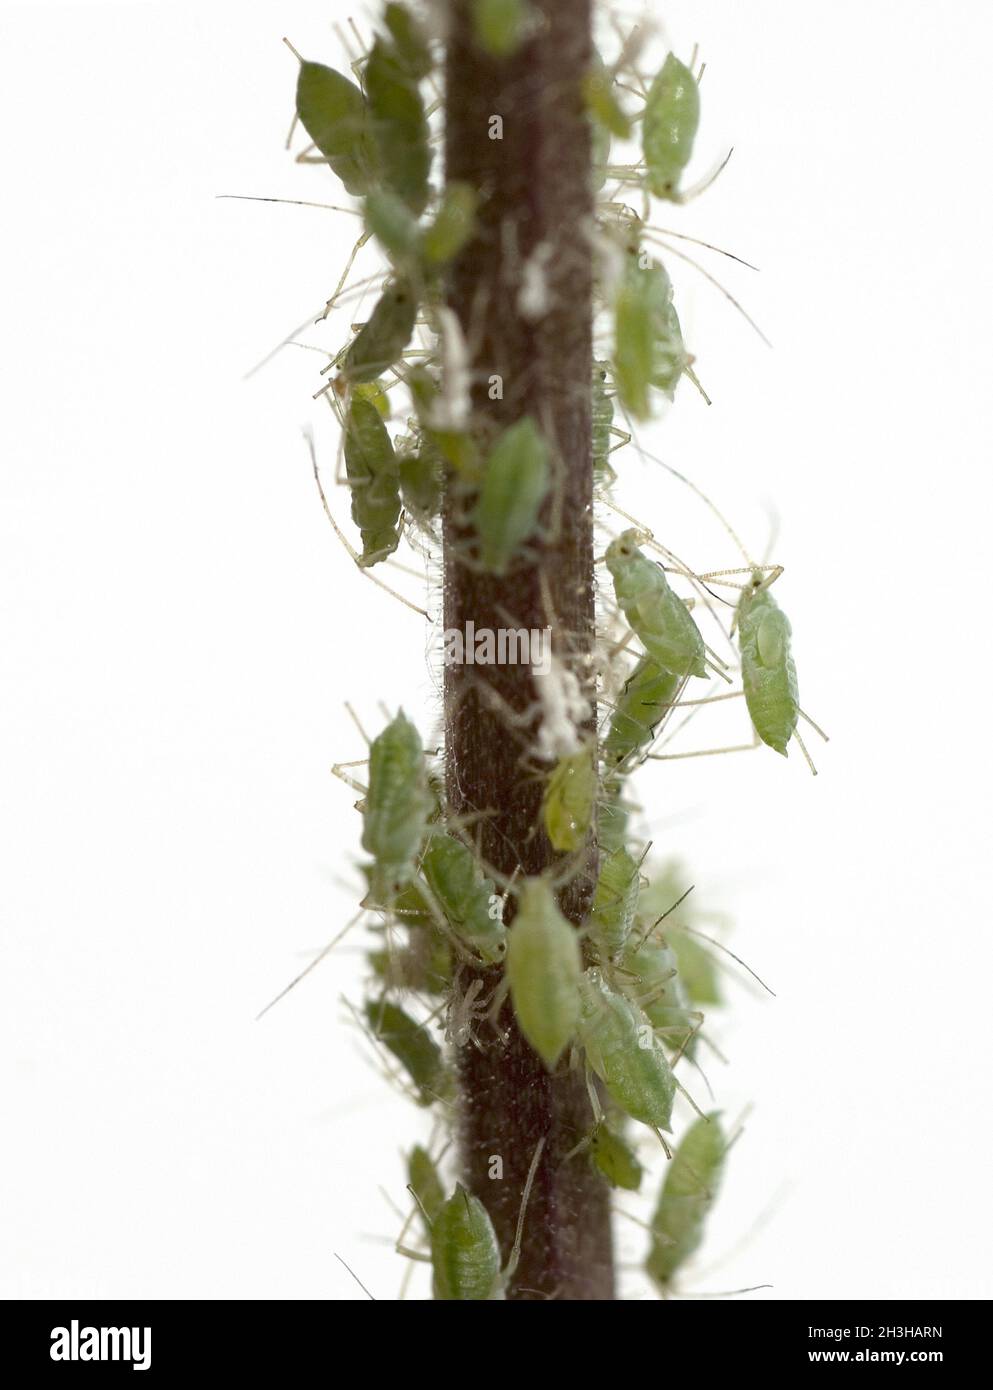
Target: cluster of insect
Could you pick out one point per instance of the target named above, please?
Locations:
(624, 996)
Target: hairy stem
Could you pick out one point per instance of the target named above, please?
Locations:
(535, 183)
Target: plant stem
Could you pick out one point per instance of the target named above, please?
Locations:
(536, 189)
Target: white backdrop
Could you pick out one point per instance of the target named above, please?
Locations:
(180, 631)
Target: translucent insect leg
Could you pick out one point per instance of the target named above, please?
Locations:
(803, 750)
(816, 727)
(312, 966)
(515, 1253)
(355, 1277)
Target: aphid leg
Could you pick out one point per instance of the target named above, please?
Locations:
(515, 1253)
(705, 752)
(312, 966)
(720, 947)
(705, 182)
(337, 770)
(355, 1277)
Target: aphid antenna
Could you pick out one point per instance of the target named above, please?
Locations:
(687, 1040)
(722, 1293)
(312, 966)
(348, 1267)
(659, 920)
(363, 569)
(721, 947)
(358, 724)
(713, 280)
(656, 234)
(290, 202)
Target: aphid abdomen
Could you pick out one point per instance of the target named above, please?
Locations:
(411, 1044)
(620, 1046)
(615, 1158)
(396, 808)
(381, 340)
(644, 702)
(768, 671)
(465, 895)
(658, 617)
(567, 809)
(422, 1175)
(399, 125)
(371, 468)
(615, 903)
(465, 1257)
(651, 979)
(514, 486)
(544, 969)
(334, 114)
(688, 1191)
(671, 118)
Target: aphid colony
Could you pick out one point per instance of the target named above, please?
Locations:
(622, 996)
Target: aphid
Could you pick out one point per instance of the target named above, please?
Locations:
(767, 668)
(420, 470)
(648, 341)
(669, 126)
(410, 40)
(658, 617)
(465, 1256)
(399, 125)
(613, 1032)
(464, 894)
(453, 225)
(613, 815)
(647, 696)
(614, 903)
(615, 1158)
(500, 25)
(688, 1192)
(514, 486)
(381, 340)
(371, 468)
(397, 806)
(567, 808)
(412, 1045)
(334, 114)
(425, 1184)
(544, 970)
(601, 100)
(650, 976)
(695, 964)
(393, 225)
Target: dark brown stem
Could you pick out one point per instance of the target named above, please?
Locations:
(536, 184)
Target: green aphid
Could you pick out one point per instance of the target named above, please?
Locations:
(615, 1158)
(602, 418)
(657, 616)
(399, 125)
(767, 668)
(567, 808)
(409, 39)
(457, 448)
(424, 1182)
(453, 226)
(620, 1046)
(381, 340)
(397, 807)
(669, 126)
(613, 817)
(695, 964)
(650, 977)
(411, 1044)
(648, 342)
(600, 96)
(465, 895)
(691, 1184)
(644, 702)
(544, 971)
(515, 484)
(500, 26)
(334, 114)
(393, 225)
(371, 468)
(421, 471)
(615, 903)
(465, 1256)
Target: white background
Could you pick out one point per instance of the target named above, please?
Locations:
(180, 631)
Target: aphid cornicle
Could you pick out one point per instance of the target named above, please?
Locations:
(657, 616)
(399, 125)
(567, 807)
(644, 702)
(515, 484)
(411, 1044)
(464, 894)
(334, 114)
(381, 340)
(615, 903)
(669, 126)
(688, 1191)
(544, 970)
(371, 469)
(397, 806)
(613, 1032)
(767, 668)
